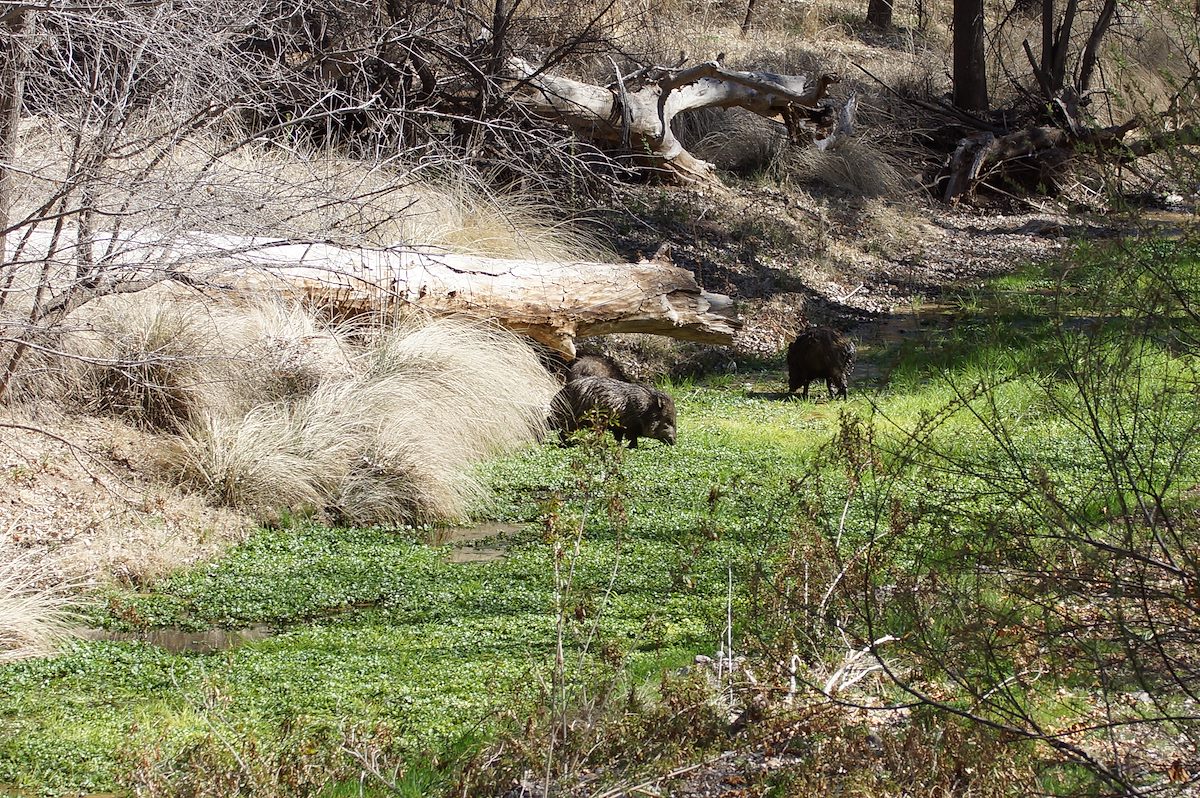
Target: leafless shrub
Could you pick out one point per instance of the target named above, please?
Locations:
(1034, 582)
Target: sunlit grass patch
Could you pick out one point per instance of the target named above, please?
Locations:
(956, 475)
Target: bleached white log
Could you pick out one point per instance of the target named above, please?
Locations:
(552, 302)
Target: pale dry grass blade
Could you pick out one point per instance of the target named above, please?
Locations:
(490, 380)
(255, 462)
(34, 620)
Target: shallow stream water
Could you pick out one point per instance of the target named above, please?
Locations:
(480, 543)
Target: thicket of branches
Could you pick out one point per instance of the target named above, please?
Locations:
(127, 126)
(1044, 591)
(1074, 82)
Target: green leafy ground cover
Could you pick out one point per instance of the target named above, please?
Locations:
(380, 637)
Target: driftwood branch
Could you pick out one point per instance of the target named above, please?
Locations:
(552, 302)
(637, 112)
(1047, 147)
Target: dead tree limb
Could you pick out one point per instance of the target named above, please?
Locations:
(642, 105)
(1044, 148)
(552, 302)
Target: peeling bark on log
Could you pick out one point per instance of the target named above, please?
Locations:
(554, 303)
(636, 111)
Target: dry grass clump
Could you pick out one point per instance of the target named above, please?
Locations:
(34, 619)
(259, 188)
(734, 140)
(896, 231)
(161, 356)
(266, 408)
(392, 442)
(139, 358)
(855, 165)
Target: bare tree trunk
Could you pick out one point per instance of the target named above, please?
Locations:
(1087, 62)
(1047, 41)
(879, 14)
(1057, 68)
(13, 67)
(12, 91)
(749, 18)
(970, 73)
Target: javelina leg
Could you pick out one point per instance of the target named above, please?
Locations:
(632, 441)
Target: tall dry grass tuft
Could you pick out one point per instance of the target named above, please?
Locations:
(854, 165)
(201, 182)
(390, 439)
(34, 620)
(142, 358)
(737, 141)
(267, 408)
(160, 357)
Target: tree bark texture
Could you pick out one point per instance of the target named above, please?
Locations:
(879, 14)
(12, 90)
(970, 73)
(1043, 151)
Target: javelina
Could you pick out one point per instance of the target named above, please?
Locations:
(820, 353)
(596, 366)
(631, 411)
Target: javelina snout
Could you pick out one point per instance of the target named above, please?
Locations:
(631, 411)
(820, 353)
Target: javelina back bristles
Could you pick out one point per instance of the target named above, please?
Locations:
(820, 353)
(630, 410)
(596, 366)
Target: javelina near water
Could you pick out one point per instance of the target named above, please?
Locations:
(631, 411)
(820, 353)
(596, 366)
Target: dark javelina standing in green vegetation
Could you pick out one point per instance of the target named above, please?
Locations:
(630, 410)
(596, 366)
(820, 353)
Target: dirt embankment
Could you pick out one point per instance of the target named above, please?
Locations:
(75, 501)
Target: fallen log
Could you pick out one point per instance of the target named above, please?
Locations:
(1037, 155)
(554, 303)
(635, 112)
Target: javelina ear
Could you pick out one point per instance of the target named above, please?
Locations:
(658, 401)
